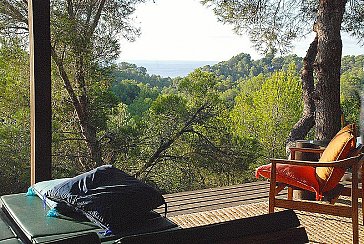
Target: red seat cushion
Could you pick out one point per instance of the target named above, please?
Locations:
(303, 177)
(320, 179)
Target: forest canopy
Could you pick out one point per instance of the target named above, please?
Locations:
(210, 128)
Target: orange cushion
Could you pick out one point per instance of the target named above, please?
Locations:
(338, 148)
(299, 176)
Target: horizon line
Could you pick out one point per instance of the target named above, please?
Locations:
(167, 60)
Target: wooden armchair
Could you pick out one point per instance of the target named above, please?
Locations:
(296, 174)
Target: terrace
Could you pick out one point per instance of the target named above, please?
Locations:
(216, 205)
(208, 206)
(187, 209)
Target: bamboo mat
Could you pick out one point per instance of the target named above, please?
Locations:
(320, 228)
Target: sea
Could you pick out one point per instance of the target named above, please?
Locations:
(170, 68)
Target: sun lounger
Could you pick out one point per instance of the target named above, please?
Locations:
(28, 220)
(23, 218)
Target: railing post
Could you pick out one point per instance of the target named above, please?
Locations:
(40, 89)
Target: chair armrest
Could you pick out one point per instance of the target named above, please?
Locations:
(308, 150)
(344, 163)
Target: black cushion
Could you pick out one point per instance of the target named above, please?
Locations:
(108, 197)
(265, 228)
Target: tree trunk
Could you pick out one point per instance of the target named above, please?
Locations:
(88, 129)
(327, 67)
(81, 107)
(93, 145)
(322, 102)
(307, 121)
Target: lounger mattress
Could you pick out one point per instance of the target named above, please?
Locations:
(28, 214)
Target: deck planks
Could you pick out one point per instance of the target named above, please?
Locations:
(215, 198)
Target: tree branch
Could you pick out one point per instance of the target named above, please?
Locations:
(15, 13)
(165, 144)
(67, 84)
(97, 17)
(307, 121)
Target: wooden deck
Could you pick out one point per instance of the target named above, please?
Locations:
(221, 197)
(215, 198)
(319, 227)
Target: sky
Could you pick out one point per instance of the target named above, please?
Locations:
(187, 30)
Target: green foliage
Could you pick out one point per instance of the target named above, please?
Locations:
(144, 100)
(273, 25)
(204, 130)
(92, 29)
(242, 66)
(14, 118)
(352, 83)
(69, 151)
(269, 112)
(103, 101)
(135, 88)
(126, 91)
(184, 140)
(127, 71)
(351, 63)
(137, 96)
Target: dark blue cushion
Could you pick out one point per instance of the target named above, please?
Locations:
(108, 197)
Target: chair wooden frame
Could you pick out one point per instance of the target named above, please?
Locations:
(351, 211)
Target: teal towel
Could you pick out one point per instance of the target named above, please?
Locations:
(30, 192)
(52, 213)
